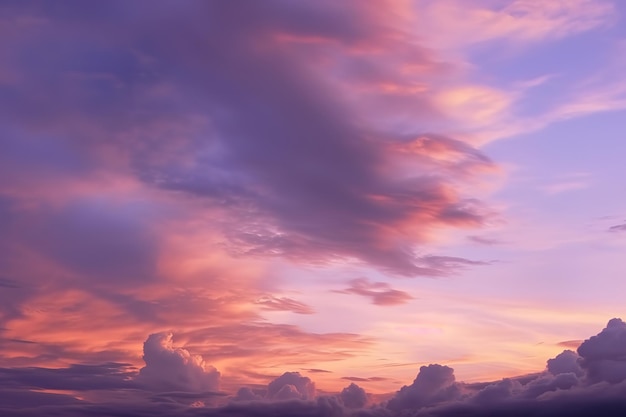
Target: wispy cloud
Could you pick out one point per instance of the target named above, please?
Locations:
(618, 228)
(272, 303)
(380, 293)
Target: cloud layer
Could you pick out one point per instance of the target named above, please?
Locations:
(573, 384)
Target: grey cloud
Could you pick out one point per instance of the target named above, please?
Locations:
(353, 396)
(565, 362)
(604, 355)
(247, 394)
(434, 384)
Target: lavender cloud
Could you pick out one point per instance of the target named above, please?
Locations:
(291, 385)
(565, 362)
(353, 396)
(258, 132)
(170, 369)
(604, 355)
(618, 228)
(434, 384)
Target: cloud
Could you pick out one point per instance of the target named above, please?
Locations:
(564, 186)
(361, 379)
(604, 355)
(272, 303)
(516, 21)
(107, 376)
(565, 362)
(13, 400)
(247, 394)
(618, 228)
(317, 371)
(8, 283)
(291, 385)
(292, 129)
(575, 385)
(572, 344)
(497, 392)
(379, 292)
(353, 396)
(284, 155)
(434, 384)
(98, 239)
(174, 369)
(544, 384)
(485, 240)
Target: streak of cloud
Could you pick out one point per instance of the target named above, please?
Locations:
(380, 293)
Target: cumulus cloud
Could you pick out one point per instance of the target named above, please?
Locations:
(434, 384)
(546, 383)
(604, 355)
(247, 394)
(174, 369)
(353, 396)
(594, 379)
(498, 391)
(565, 362)
(291, 385)
(380, 293)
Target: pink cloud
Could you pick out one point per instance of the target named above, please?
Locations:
(271, 303)
(380, 293)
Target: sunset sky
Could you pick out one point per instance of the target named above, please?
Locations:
(197, 197)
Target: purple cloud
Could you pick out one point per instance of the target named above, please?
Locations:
(434, 384)
(618, 228)
(260, 133)
(604, 355)
(174, 369)
(567, 361)
(353, 396)
(291, 385)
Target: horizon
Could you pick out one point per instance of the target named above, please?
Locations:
(204, 196)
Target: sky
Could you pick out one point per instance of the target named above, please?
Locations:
(318, 208)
